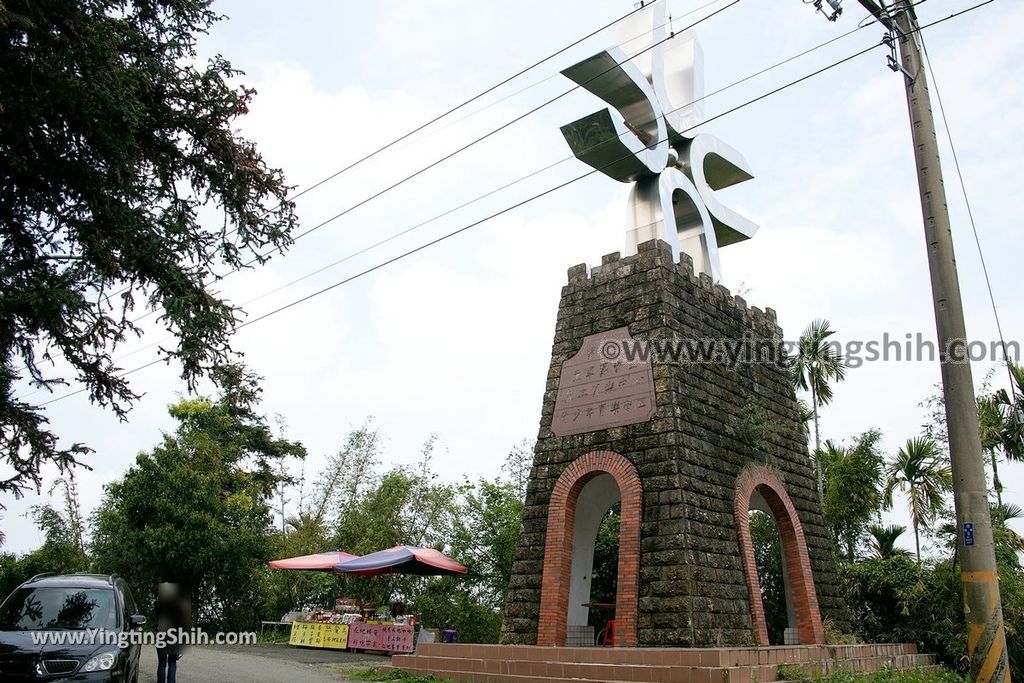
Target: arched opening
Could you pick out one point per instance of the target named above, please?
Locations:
(605, 584)
(780, 614)
(590, 605)
(580, 510)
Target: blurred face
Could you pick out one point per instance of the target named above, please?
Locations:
(167, 592)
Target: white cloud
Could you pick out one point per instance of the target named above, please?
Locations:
(456, 339)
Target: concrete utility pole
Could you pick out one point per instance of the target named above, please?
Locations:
(986, 636)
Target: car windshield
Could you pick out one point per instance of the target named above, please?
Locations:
(32, 609)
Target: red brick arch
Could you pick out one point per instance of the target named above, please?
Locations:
(554, 595)
(794, 554)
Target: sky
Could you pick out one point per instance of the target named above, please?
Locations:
(456, 339)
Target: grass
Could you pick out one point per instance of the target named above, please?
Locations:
(789, 672)
(273, 635)
(396, 675)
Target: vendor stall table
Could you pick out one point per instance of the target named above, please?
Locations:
(390, 638)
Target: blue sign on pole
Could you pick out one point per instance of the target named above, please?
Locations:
(968, 533)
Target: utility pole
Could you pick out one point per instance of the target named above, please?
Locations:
(986, 635)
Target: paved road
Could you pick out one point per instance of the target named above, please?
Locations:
(260, 664)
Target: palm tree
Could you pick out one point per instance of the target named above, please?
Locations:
(1001, 425)
(883, 541)
(806, 415)
(993, 428)
(816, 364)
(852, 495)
(918, 472)
(1012, 409)
(305, 523)
(1004, 538)
(1004, 535)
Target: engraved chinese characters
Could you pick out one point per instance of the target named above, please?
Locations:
(601, 388)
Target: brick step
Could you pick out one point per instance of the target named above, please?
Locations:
(870, 664)
(468, 663)
(927, 668)
(473, 670)
(464, 677)
(697, 657)
(483, 669)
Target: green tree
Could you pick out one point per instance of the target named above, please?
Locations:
(919, 473)
(405, 506)
(764, 534)
(816, 364)
(285, 590)
(883, 541)
(313, 526)
(1015, 399)
(806, 417)
(852, 497)
(114, 138)
(347, 476)
(491, 514)
(1001, 424)
(517, 466)
(898, 600)
(992, 427)
(196, 509)
(1009, 544)
(60, 553)
(485, 533)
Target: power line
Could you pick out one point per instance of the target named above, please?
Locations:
(450, 155)
(497, 130)
(547, 78)
(474, 98)
(970, 216)
(528, 200)
(426, 125)
(494, 191)
(474, 224)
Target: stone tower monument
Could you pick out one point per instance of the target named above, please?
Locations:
(665, 394)
(688, 437)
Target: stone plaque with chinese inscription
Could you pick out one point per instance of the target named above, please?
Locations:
(600, 388)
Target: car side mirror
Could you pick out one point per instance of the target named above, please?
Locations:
(137, 620)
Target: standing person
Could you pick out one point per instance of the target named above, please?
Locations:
(173, 613)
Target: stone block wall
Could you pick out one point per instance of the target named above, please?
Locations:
(714, 420)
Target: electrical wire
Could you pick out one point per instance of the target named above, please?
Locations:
(430, 122)
(447, 157)
(474, 98)
(556, 74)
(493, 132)
(523, 202)
(424, 126)
(446, 236)
(489, 193)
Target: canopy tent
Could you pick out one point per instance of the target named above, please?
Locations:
(402, 559)
(317, 562)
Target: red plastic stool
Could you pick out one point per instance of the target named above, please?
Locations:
(608, 634)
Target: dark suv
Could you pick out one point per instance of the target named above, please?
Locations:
(70, 628)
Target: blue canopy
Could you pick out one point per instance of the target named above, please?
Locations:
(402, 559)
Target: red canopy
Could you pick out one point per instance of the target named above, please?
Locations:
(402, 559)
(317, 562)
